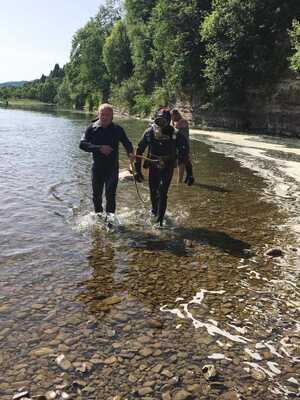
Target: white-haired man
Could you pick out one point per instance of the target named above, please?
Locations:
(102, 138)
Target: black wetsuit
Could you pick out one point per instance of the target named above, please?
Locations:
(167, 149)
(105, 169)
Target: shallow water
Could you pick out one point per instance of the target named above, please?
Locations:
(138, 311)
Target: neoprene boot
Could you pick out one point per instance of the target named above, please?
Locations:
(189, 180)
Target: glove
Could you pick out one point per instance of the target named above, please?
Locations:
(138, 176)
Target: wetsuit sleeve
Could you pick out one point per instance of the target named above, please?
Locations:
(141, 147)
(182, 148)
(125, 141)
(86, 144)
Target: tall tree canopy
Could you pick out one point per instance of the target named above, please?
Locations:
(116, 53)
(246, 43)
(151, 51)
(177, 46)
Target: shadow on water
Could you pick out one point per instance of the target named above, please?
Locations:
(182, 240)
(220, 240)
(212, 188)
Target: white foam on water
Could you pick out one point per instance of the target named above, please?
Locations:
(219, 356)
(256, 274)
(273, 350)
(256, 356)
(213, 322)
(210, 327)
(86, 222)
(239, 329)
(174, 311)
(273, 367)
(270, 368)
(294, 381)
(260, 368)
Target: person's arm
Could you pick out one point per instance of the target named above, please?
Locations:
(143, 143)
(86, 144)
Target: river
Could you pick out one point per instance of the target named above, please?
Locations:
(140, 312)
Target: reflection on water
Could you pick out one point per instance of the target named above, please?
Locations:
(138, 311)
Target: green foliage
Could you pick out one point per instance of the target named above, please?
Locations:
(178, 49)
(116, 53)
(63, 96)
(154, 50)
(161, 97)
(143, 105)
(294, 34)
(124, 95)
(246, 44)
(138, 10)
(44, 89)
(88, 78)
(87, 67)
(140, 35)
(57, 72)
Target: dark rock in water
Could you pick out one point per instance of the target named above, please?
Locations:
(189, 243)
(274, 252)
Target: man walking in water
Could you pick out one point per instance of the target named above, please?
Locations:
(164, 148)
(102, 138)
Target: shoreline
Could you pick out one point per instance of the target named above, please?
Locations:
(121, 114)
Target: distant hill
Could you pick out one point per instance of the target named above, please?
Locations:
(9, 84)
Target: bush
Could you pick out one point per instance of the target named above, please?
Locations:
(124, 95)
(160, 97)
(143, 105)
(294, 35)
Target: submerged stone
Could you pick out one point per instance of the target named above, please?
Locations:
(109, 301)
(42, 351)
(182, 395)
(63, 363)
(274, 252)
(51, 395)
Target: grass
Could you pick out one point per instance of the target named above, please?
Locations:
(27, 102)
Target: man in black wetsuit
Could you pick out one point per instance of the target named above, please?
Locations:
(164, 149)
(102, 138)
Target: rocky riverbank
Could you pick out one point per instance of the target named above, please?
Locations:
(276, 113)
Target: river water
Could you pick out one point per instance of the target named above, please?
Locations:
(138, 312)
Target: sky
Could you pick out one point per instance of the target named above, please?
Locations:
(37, 34)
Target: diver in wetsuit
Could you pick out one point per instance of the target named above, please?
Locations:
(102, 138)
(164, 149)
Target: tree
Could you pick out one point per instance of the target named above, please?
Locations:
(48, 91)
(246, 43)
(116, 53)
(86, 72)
(57, 72)
(294, 35)
(177, 47)
(140, 35)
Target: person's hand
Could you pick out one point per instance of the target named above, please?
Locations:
(105, 149)
(138, 176)
(131, 157)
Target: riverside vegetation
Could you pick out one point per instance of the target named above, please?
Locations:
(152, 51)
